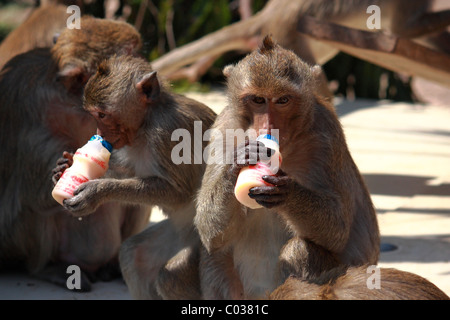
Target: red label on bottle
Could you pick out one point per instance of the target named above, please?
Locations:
(99, 162)
(79, 179)
(70, 182)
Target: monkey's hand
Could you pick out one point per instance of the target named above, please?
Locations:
(87, 198)
(276, 195)
(62, 164)
(247, 153)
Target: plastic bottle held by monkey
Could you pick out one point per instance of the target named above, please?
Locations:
(89, 162)
(251, 176)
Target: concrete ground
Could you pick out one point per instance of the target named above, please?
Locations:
(403, 152)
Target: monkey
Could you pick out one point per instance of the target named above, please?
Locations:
(37, 31)
(41, 116)
(355, 283)
(316, 212)
(137, 113)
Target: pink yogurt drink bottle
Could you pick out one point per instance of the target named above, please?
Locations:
(89, 162)
(251, 176)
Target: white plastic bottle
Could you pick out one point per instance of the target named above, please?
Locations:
(251, 176)
(89, 162)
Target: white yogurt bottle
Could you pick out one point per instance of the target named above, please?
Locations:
(89, 162)
(251, 176)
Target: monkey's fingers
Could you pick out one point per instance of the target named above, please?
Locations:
(266, 199)
(56, 177)
(262, 151)
(69, 157)
(62, 161)
(277, 180)
(243, 153)
(81, 204)
(252, 153)
(268, 205)
(76, 206)
(60, 168)
(57, 173)
(267, 190)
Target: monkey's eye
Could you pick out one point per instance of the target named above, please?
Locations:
(283, 100)
(258, 100)
(101, 115)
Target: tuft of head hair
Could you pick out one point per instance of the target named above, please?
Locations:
(267, 45)
(103, 69)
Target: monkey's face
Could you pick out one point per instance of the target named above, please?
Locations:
(267, 111)
(111, 96)
(272, 88)
(117, 122)
(113, 127)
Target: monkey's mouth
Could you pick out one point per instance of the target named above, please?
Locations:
(112, 142)
(117, 143)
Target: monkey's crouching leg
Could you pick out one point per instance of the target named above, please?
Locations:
(305, 259)
(179, 279)
(218, 278)
(143, 255)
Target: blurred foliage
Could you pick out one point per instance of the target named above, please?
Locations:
(358, 78)
(8, 10)
(183, 21)
(4, 30)
(186, 21)
(167, 24)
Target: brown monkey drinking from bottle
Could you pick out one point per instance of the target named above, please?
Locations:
(317, 213)
(138, 114)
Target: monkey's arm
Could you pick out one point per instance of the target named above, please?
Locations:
(217, 208)
(317, 216)
(150, 190)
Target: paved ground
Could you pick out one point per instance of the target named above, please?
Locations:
(403, 152)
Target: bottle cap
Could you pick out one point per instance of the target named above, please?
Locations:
(105, 143)
(267, 136)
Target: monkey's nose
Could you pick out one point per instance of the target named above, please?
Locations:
(100, 133)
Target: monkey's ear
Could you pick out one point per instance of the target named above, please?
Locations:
(149, 87)
(316, 71)
(227, 70)
(73, 77)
